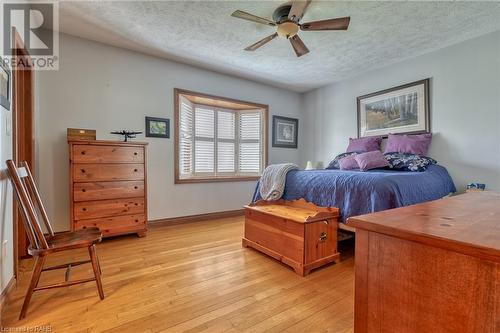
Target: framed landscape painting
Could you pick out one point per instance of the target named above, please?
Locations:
(402, 109)
(285, 132)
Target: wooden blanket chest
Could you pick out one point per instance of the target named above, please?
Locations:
(297, 233)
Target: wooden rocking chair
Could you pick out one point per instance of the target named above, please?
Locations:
(42, 245)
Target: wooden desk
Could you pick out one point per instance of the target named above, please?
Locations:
(432, 267)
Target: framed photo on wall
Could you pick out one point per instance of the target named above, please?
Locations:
(402, 109)
(4, 86)
(157, 127)
(285, 132)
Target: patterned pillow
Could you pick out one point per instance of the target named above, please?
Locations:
(408, 162)
(334, 164)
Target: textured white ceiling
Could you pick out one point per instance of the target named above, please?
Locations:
(203, 33)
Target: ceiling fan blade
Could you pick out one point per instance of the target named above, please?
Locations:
(261, 42)
(298, 9)
(331, 24)
(298, 46)
(249, 17)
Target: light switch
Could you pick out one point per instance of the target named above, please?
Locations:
(8, 125)
(4, 249)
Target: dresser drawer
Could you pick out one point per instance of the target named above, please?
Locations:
(107, 172)
(107, 154)
(115, 225)
(108, 190)
(106, 208)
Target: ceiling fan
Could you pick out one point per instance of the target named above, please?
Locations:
(287, 20)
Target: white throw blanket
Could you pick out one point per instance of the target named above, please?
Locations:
(272, 182)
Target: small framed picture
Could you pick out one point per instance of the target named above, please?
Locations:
(4, 86)
(285, 132)
(157, 127)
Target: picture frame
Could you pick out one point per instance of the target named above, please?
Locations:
(404, 109)
(285, 132)
(5, 78)
(157, 127)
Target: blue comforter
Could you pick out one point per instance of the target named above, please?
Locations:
(356, 192)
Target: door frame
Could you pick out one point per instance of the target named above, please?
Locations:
(23, 137)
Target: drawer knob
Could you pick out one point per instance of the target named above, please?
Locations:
(83, 170)
(84, 209)
(84, 190)
(135, 170)
(135, 187)
(323, 236)
(135, 153)
(83, 152)
(136, 220)
(136, 204)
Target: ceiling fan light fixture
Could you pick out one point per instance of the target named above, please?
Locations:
(288, 29)
(286, 19)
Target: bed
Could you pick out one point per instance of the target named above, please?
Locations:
(355, 192)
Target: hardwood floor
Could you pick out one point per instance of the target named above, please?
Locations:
(190, 278)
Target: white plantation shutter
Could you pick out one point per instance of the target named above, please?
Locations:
(185, 137)
(226, 122)
(215, 142)
(204, 156)
(226, 141)
(204, 140)
(250, 142)
(226, 157)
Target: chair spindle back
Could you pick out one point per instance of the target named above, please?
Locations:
(30, 203)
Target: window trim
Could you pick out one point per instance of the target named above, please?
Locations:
(265, 114)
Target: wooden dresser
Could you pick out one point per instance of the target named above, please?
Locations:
(432, 267)
(108, 186)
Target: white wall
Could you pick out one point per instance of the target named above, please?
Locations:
(6, 225)
(6, 194)
(107, 88)
(465, 109)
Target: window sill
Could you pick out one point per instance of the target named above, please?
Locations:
(216, 179)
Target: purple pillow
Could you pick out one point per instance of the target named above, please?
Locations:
(348, 163)
(371, 160)
(412, 144)
(364, 144)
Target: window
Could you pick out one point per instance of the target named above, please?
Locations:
(218, 139)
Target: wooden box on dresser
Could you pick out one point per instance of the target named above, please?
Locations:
(108, 186)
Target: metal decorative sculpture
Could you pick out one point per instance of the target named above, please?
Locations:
(127, 134)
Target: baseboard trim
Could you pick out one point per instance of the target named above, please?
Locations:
(4, 296)
(197, 218)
